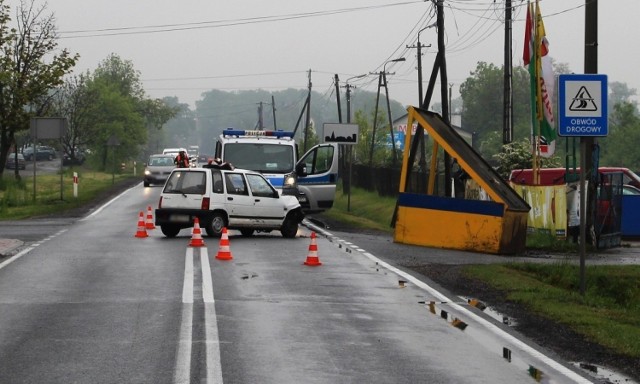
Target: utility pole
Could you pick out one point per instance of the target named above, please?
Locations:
(273, 110)
(382, 82)
(422, 161)
(419, 47)
(336, 82)
(308, 120)
(443, 91)
(588, 143)
(260, 121)
(507, 122)
(347, 180)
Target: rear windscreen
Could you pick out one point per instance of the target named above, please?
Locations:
(186, 183)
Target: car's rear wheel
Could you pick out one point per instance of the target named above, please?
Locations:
(289, 227)
(246, 232)
(170, 230)
(214, 228)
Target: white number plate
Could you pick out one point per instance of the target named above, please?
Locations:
(176, 218)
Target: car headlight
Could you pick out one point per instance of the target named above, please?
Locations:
(290, 181)
(146, 172)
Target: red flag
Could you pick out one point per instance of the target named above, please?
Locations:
(528, 38)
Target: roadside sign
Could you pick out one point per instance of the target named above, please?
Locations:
(340, 133)
(48, 127)
(582, 105)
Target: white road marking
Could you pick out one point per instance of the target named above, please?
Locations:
(31, 248)
(182, 372)
(185, 343)
(207, 283)
(187, 288)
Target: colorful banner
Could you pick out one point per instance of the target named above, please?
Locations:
(548, 207)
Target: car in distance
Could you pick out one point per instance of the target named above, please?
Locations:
(11, 161)
(78, 158)
(225, 198)
(157, 169)
(42, 153)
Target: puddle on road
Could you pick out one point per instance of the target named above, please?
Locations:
(605, 374)
(501, 317)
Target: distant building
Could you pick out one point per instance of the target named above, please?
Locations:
(400, 129)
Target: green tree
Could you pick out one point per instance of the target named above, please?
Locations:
(518, 155)
(620, 147)
(157, 114)
(115, 118)
(30, 67)
(121, 111)
(382, 154)
(620, 93)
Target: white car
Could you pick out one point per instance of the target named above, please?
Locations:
(157, 169)
(236, 199)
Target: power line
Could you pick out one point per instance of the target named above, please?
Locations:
(136, 30)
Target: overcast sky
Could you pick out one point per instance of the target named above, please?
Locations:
(183, 48)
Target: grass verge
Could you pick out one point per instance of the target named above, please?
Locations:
(19, 199)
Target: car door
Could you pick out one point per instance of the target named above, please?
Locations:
(268, 207)
(317, 176)
(240, 206)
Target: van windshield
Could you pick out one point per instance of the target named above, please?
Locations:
(267, 158)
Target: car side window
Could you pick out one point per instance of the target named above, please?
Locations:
(319, 161)
(236, 184)
(216, 176)
(261, 187)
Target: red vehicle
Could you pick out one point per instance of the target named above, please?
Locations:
(557, 176)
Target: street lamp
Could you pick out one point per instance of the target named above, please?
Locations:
(349, 86)
(382, 80)
(392, 61)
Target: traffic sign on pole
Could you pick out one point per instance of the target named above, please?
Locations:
(582, 105)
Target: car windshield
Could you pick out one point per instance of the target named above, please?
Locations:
(269, 158)
(161, 161)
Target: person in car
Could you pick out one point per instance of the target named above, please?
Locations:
(182, 160)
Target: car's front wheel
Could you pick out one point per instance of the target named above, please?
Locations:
(289, 228)
(214, 228)
(170, 230)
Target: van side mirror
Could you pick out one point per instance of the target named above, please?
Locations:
(301, 169)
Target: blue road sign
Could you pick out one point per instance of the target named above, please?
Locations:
(582, 105)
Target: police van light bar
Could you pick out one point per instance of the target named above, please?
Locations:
(243, 132)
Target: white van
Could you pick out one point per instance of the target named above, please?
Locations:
(311, 178)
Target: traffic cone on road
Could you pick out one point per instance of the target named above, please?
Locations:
(149, 224)
(142, 230)
(196, 235)
(224, 252)
(312, 257)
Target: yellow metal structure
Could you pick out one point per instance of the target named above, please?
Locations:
(497, 226)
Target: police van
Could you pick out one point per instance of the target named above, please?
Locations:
(311, 178)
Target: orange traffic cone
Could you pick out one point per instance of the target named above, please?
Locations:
(149, 224)
(196, 235)
(142, 230)
(312, 257)
(224, 252)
